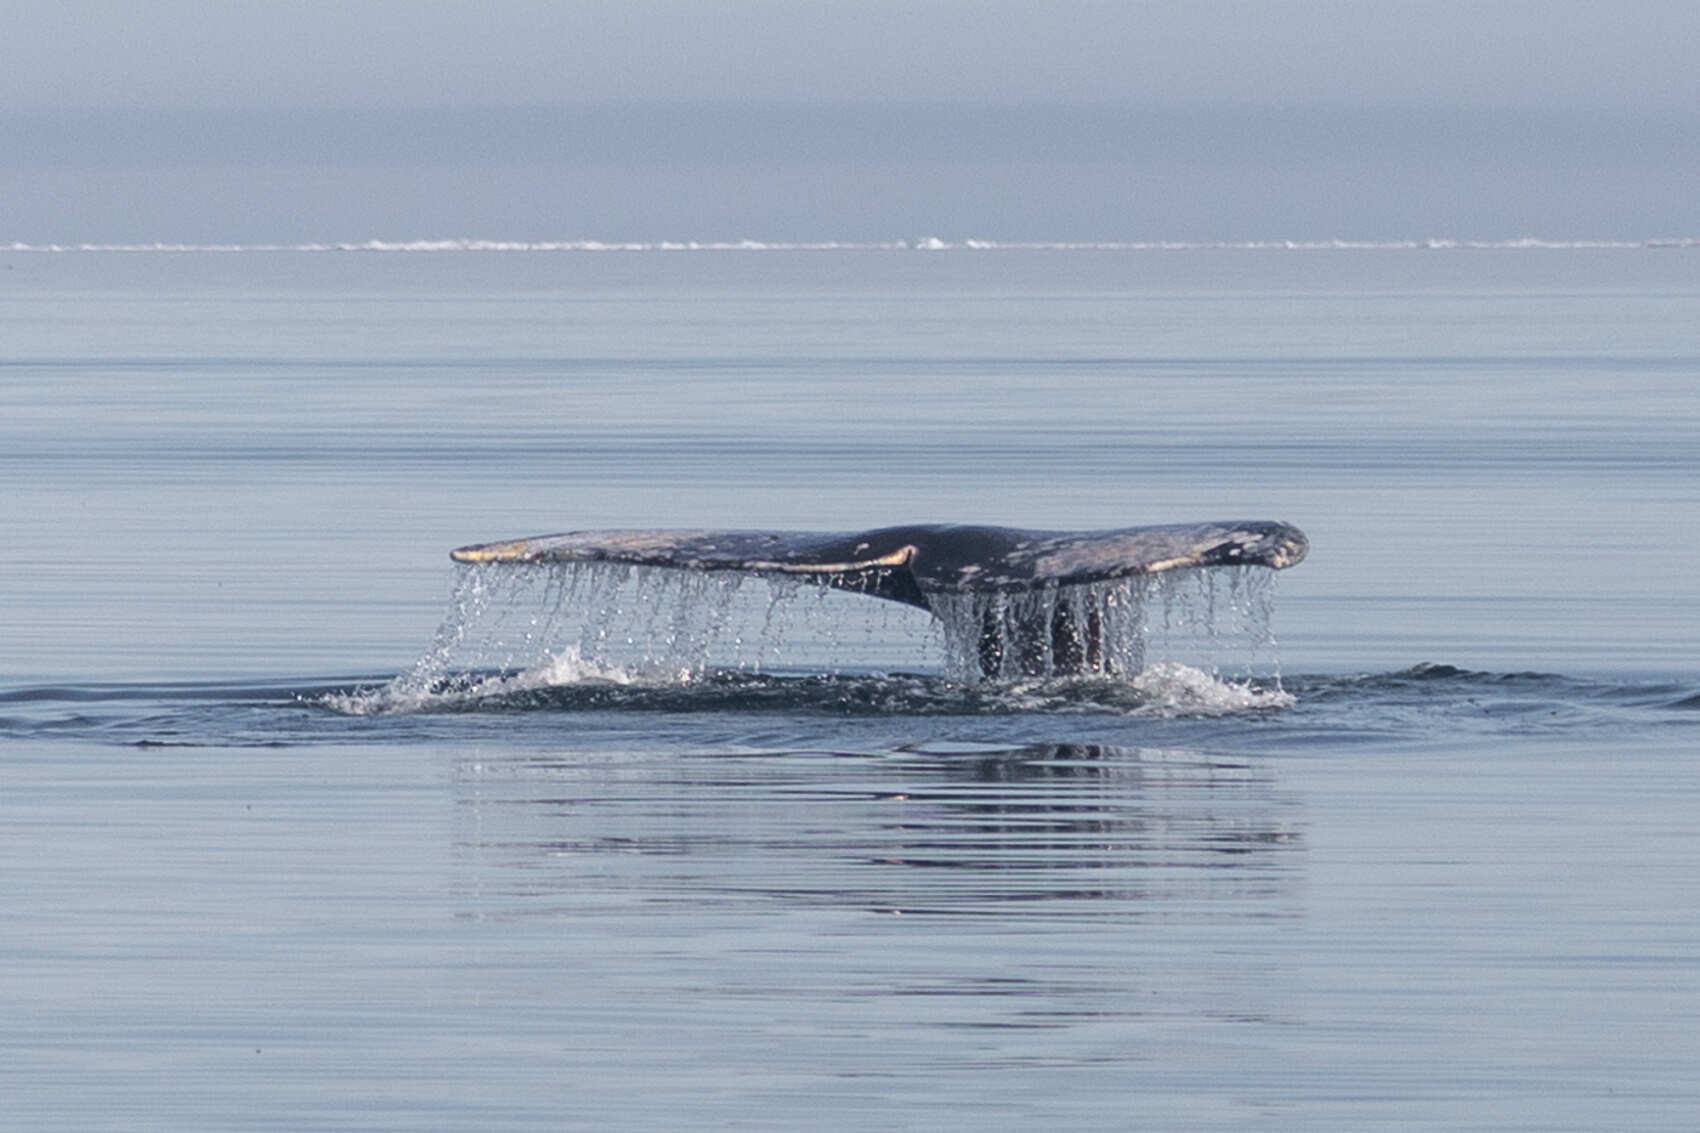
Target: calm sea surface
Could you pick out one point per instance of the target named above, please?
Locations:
(1428, 858)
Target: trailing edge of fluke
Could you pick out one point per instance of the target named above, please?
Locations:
(905, 564)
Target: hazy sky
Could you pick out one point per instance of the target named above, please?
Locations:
(660, 119)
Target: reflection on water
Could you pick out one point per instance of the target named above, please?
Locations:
(1040, 832)
(881, 922)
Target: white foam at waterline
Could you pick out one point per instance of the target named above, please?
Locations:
(1163, 690)
(404, 694)
(1174, 688)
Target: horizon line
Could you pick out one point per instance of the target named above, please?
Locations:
(924, 244)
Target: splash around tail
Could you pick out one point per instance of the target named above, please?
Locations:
(1164, 690)
(579, 625)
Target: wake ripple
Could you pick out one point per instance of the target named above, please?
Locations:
(1167, 703)
(1440, 702)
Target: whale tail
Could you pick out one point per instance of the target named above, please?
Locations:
(930, 565)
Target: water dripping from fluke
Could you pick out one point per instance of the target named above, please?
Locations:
(553, 634)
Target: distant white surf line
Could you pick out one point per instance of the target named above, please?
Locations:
(924, 244)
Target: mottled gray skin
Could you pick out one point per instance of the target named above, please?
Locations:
(905, 564)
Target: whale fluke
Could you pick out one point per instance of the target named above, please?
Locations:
(906, 564)
(999, 575)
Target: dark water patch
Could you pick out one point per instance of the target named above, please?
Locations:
(147, 745)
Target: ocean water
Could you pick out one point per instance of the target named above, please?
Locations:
(1404, 836)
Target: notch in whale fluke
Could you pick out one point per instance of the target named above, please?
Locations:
(905, 564)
